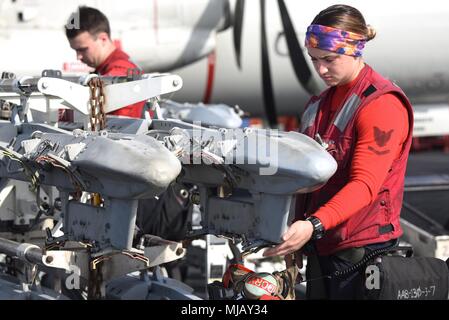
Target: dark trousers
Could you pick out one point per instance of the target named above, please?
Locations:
(168, 217)
(351, 286)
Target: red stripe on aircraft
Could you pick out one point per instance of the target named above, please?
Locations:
(211, 60)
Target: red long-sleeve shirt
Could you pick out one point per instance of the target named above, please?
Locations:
(369, 168)
(117, 64)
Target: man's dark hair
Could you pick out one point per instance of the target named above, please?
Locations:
(90, 20)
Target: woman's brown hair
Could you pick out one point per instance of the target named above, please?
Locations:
(346, 18)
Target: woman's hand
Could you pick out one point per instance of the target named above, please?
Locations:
(297, 235)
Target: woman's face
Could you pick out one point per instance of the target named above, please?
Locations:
(335, 69)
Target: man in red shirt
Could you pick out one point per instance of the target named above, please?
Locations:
(91, 40)
(166, 217)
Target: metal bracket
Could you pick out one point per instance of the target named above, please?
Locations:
(76, 95)
(117, 95)
(134, 74)
(124, 94)
(8, 75)
(60, 259)
(163, 251)
(52, 73)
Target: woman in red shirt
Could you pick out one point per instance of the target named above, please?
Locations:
(365, 122)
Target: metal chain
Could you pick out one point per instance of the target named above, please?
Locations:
(97, 116)
(97, 101)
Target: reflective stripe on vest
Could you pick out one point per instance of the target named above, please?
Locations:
(308, 118)
(347, 112)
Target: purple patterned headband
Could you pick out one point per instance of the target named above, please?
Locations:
(335, 40)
